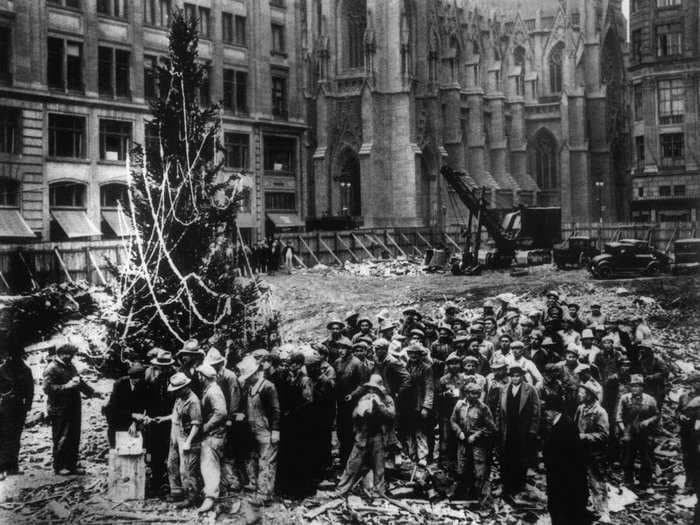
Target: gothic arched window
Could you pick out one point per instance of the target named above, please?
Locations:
(354, 18)
(519, 61)
(544, 160)
(556, 58)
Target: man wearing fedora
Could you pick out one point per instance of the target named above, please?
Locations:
(335, 333)
(365, 325)
(159, 407)
(16, 395)
(185, 437)
(190, 357)
(63, 387)
(519, 423)
(637, 415)
(263, 414)
(214, 416)
(128, 398)
(594, 430)
(372, 416)
(235, 444)
(418, 413)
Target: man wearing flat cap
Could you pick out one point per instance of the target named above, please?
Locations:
(418, 413)
(411, 320)
(335, 332)
(519, 423)
(183, 458)
(350, 374)
(128, 397)
(637, 415)
(594, 430)
(655, 373)
(440, 349)
(448, 392)
(63, 387)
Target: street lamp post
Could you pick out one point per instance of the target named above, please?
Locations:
(599, 184)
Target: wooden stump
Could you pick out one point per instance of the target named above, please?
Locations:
(127, 476)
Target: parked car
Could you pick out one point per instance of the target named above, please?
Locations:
(685, 256)
(576, 251)
(628, 257)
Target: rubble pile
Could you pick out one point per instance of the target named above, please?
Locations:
(384, 268)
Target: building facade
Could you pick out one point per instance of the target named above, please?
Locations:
(527, 97)
(75, 79)
(665, 77)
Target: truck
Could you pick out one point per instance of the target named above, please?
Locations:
(525, 230)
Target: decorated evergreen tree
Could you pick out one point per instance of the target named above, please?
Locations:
(180, 280)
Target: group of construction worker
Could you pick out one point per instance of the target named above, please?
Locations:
(548, 389)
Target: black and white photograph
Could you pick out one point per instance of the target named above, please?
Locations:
(349, 262)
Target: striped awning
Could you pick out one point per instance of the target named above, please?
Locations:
(12, 225)
(75, 223)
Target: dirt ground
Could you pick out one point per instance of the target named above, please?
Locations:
(305, 300)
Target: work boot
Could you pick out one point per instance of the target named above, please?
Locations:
(206, 506)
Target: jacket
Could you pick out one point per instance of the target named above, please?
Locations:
(349, 375)
(17, 386)
(594, 429)
(263, 407)
(58, 397)
(125, 401)
(474, 420)
(368, 425)
(529, 414)
(449, 391)
(187, 412)
(231, 388)
(421, 390)
(396, 378)
(633, 410)
(214, 411)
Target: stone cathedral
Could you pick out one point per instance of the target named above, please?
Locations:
(527, 97)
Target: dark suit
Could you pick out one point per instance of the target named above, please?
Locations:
(64, 411)
(567, 488)
(124, 401)
(16, 394)
(519, 421)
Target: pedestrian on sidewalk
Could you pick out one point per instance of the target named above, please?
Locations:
(16, 394)
(214, 415)
(185, 438)
(63, 387)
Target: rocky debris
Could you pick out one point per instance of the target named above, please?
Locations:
(384, 268)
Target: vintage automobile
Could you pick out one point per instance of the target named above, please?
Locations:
(577, 250)
(628, 257)
(686, 256)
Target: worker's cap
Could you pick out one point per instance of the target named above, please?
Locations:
(488, 303)
(505, 336)
(608, 338)
(553, 293)
(526, 321)
(471, 388)
(429, 322)
(383, 315)
(515, 370)
(445, 328)
(312, 359)
(418, 332)
(385, 325)
(178, 381)
(164, 358)
(366, 339)
(191, 345)
(636, 379)
(247, 367)
(587, 333)
(335, 323)
(451, 307)
(360, 345)
(260, 353)
(453, 358)
(398, 337)
(410, 311)
(365, 319)
(343, 342)
(67, 348)
(351, 316)
(574, 306)
(136, 370)
(595, 306)
(583, 367)
(461, 338)
(547, 341)
(572, 349)
(645, 344)
(207, 371)
(375, 382)
(470, 359)
(491, 319)
(476, 328)
(381, 343)
(517, 344)
(214, 357)
(416, 349)
(458, 321)
(153, 352)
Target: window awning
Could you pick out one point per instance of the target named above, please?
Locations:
(75, 223)
(286, 220)
(121, 227)
(12, 225)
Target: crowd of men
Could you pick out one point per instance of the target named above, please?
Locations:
(529, 389)
(265, 257)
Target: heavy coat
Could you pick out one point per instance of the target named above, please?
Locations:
(567, 484)
(123, 402)
(529, 419)
(396, 378)
(16, 394)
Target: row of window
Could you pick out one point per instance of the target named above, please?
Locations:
(672, 149)
(669, 41)
(638, 4)
(665, 191)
